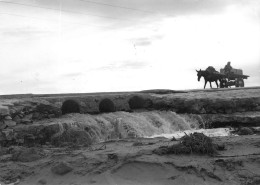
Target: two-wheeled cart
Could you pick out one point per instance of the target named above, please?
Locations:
(234, 78)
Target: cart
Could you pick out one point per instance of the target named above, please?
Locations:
(234, 78)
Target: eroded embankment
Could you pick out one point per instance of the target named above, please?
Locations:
(88, 129)
(97, 118)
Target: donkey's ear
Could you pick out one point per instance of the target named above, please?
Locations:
(197, 70)
(200, 69)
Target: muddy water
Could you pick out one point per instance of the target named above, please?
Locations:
(216, 132)
(130, 125)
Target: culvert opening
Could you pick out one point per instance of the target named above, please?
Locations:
(70, 106)
(136, 102)
(106, 105)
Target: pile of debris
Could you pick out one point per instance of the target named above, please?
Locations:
(195, 143)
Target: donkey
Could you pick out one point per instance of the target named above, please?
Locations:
(209, 77)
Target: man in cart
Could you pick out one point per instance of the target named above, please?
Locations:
(228, 68)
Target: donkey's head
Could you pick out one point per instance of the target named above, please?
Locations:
(199, 74)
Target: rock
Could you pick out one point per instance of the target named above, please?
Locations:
(2, 125)
(10, 123)
(61, 169)
(17, 119)
(12, 111)
(21, 115)
(48, 131)
(7, 117)
(7, 134)
(48, 109)
(26, 154)
(37, 116)
(28, 116)
(112, 156)
(26, 121)
(2, 138)
(51, 116)
(4, 110)
(29, 139)
(3, 151)
(42, 181)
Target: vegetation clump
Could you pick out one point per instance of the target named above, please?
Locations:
(196, 143)
(245, 131)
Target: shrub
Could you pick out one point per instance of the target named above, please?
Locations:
(196, 143)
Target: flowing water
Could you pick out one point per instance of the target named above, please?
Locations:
(216, 132)
(116, 125)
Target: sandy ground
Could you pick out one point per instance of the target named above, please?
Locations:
(132, 162)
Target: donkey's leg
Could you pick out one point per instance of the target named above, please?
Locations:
(216, 83)
(210, 85)
(205, 83)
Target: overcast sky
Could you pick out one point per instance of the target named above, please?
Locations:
(69, 46)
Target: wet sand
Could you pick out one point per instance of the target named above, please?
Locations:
(133, 162)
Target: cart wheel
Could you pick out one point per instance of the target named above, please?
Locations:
(240, 82)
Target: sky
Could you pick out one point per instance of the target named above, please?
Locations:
(81, 46)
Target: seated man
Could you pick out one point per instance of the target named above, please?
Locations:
(228, 68)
